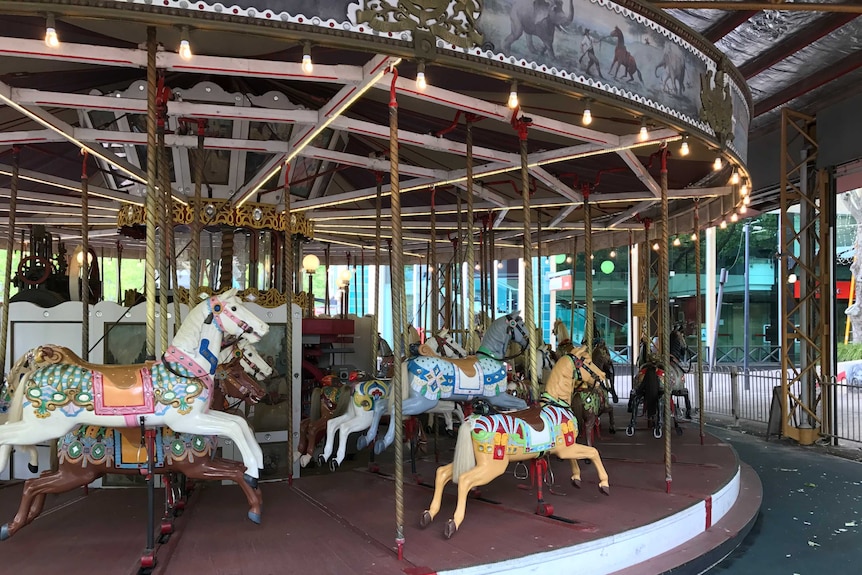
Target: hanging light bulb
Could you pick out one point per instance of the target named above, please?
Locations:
(513, 95)
(734, 218)
(717, 164)
(613, 253)
(499, 265)
(746, 200)
(743, 209)
(676, 241)
(185, 50)
(723, 224)
(683, 148)
(734, 178)
(420, 77)
(587, 117)
(694, 236)
(478, 267)
(307, 64)
(743, 189)
(655, 246)
(568, 259)
(51, 38)
(644, 133)
(792, 279)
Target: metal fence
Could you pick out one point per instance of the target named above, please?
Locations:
(747, 395)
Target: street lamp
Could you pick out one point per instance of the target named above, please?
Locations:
(310, 263)
(344, 279)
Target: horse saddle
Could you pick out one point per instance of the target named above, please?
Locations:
(532, 416)
(467, 365)
(426, 350)
(119, 376)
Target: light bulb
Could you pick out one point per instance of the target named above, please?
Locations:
(568, 259)
(734, 218)
(716, 165)
(587, 118)
(743, 208)
(791, 279)
(743, 190)
(499, 265)
(51, 38)
(683, 148)
(613, 253)
(185, 50)
(477, 267)
(513, 96)
(655, 246)
(421, 83)
(676, 241)
(734, 178)
(644, 133)
(746, 200)
(307, 64)
(723, 224)
(694, 237)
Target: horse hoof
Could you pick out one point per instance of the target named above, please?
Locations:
(4, 532)
(612, 430)
(333, 465)
(426, 519)
(255, 517)
(321, 460)
(576, 483)
(304, 460)
(450, 530)
(605, 490)
(379, 447)
(35, 468)
(361, 443)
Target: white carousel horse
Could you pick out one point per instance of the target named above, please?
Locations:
(487, 443)
(427, 380)
(443, 345)
(251, 362)
(175, 392)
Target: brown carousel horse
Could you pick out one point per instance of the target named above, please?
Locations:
(89, 452)
(327, 402)
(589, 405)
(487, 443)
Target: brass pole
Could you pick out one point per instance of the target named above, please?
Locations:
(433, 273)
(289, 278)
(470, 340)
(85, 259)
(522, 126)
(375, 327)
(151, 205)
(10, 248)
(589, 305)
(698, 315)
(574, 275)
(197, 212)
(664, 312)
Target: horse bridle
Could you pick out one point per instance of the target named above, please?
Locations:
(442, 342)
(579, 364)
(218, 308)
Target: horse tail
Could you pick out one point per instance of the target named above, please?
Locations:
(652, 390)
(344, 398)
(314, 411)
(465, 459)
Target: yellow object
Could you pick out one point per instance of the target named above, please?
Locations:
(849, 303)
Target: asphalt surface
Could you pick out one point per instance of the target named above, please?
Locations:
(811, 517)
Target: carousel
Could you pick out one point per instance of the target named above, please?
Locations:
(252, 313)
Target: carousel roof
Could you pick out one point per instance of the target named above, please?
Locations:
(260, 108)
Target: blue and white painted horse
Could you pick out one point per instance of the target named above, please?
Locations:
(427, 380)
(175, 392)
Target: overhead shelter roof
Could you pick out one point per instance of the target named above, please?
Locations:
(261, 108)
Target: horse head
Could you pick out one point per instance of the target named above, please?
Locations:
(574, 371)
(236, 383)
(251, 361)
(231, 316)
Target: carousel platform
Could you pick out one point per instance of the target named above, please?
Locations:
(344, 522)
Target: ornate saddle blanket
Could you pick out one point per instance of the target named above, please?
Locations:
(437, 377)
(367, 393)
(123, 449)
(541, 429)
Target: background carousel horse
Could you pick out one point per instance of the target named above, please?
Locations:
(653, 379)
(487, 443)
(564, 340)
(427, 380)
(175, 392)
(545, 360)
(442, 344)
(89, 452)
(385, 359)
(589, 405)
(327, 402)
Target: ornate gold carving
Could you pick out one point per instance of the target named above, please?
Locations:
(269, 299)
(453, 21)
(212, 212)
(716, 105)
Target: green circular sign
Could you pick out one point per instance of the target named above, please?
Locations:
(560, 258)
(607, 266)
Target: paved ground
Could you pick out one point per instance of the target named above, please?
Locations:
(811, 518)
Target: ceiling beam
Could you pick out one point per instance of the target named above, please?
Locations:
(851, 7)
(727, 24)
(795, 42)
(641, 172)
(812, 82)
(70, 185)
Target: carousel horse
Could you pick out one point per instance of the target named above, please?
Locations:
(589, 405)
(89, 452)
(564, 340)
(545, 359)
(327, 402)
(385, 359)
(487, 443)
(427, 380)
(175, 392)
(442, 345)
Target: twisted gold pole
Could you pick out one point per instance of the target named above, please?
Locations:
(698, 315)
(289, 290)
(375, 328)
(588, 271)
(470, 340)
(85, 259)
(529, 321)
(151, 205)
(164, 199)
(197, 209)
(664, 313)
(433, 276)
(574, 276)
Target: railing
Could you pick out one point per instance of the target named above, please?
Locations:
(747, 395)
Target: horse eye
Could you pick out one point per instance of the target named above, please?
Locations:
(233, 308)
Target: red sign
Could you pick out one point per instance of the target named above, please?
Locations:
(842, 290)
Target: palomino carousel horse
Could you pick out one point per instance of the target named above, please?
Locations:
(564, 340)
(427, 380)
(175, 392)
(89, 452)
(327, 402)
(487, 443)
